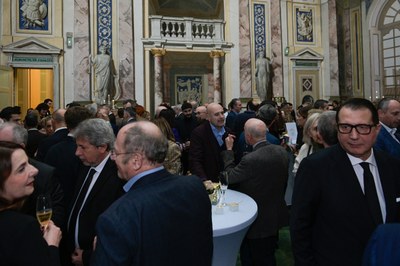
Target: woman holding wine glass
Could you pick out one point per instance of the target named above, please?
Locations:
(22, 242)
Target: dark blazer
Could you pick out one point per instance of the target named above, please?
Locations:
(262, 174)
(385, 142)
(383, 246)
(185, 127)
(46, 183)
(50, 141)
(230, 119)
(204, 154)
(163, 219)
(330, 221)
(240, 120)
(34, 138)
(62, 157)
(106, 190)
(22, 242)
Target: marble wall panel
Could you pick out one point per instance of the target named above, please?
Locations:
(333, 50)
(276, 49)
(81, 51)
(126, 50)
(347, 55)
(245, 50)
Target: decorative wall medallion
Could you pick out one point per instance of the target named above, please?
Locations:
(307, 84)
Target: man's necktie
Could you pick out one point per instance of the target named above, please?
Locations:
(371, 195)
(397, 135)
(81, 196)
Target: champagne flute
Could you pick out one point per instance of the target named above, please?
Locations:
(223, 183)
(43, 210)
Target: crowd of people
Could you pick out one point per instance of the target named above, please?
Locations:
(123, 183)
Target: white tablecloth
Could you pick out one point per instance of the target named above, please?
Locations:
(230, 227)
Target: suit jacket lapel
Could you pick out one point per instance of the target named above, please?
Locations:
(346, 172)
(212, 139)
(388, 186)
(105, 174)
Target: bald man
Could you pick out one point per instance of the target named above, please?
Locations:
(152, 224)
(261, 174)
(201, 113)
(207, 143)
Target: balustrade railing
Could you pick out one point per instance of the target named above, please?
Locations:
(187, 31)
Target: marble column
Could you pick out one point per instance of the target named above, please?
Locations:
(216, 55)
(167, 85)
(333, 50)
(245, 49)
(158, 75)
(276, 49)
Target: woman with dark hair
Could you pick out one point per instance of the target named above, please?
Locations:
(22, 242)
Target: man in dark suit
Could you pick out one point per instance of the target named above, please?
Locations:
(261, 174)
(388, 139)
(97, 188)
(34, 135)
(60, 134)
(62, 155)
(207, 143)
(343, 192)
(185, 125)
(235, 106)
(163, 219)
(46, 182)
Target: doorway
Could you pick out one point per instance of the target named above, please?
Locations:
(32, 86)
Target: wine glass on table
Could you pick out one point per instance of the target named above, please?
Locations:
(43, 210)
(223, 183)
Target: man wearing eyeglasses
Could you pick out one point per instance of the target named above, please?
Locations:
(163, 219)
(98, 186)
(344, 192)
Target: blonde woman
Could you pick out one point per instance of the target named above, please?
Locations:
(311, 139)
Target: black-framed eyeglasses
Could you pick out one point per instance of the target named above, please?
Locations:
(362, 129)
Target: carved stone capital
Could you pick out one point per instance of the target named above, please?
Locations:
(217, 53)
(158, 52)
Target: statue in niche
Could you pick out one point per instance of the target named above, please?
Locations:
(263, 67)
(33, 12)
(106, 81)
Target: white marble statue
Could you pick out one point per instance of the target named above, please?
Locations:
(34, 12)
(262, 75)
(104, 75)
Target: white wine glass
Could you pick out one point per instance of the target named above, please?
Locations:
(43, 210)
(223, 183)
